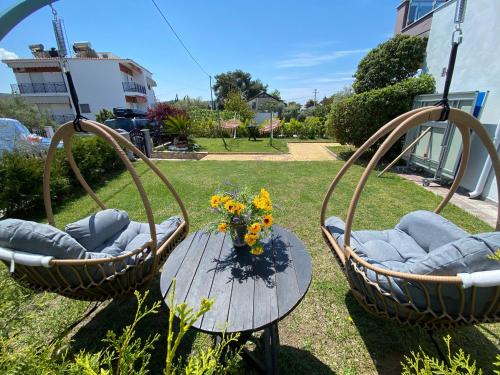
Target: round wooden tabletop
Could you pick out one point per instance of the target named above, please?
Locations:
(250, 292)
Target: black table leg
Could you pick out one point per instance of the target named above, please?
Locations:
(272, 345)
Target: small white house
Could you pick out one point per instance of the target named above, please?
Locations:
(101, 79)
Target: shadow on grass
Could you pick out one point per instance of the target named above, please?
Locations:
(298, 361)
(388, 342)
(120, 313)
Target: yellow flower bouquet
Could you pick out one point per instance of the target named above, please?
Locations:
(245, 215)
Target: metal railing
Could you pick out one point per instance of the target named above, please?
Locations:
(35, 88)
(134, 87)
(61, 119)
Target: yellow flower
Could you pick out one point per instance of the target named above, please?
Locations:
(261, 203)
(230, 206)
(222, 227)
(250, 239)
(264, 193)
(215, 201)
(254, 228)
(238, 207)
(225, 198)
(257, 250)
(268, 220)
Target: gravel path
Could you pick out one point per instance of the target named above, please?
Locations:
(296, 152)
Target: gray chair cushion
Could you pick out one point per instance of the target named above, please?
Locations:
(95, 229)
(39, 238)
(422, 243)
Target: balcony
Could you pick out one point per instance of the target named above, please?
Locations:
(133, 87)
(38, 88)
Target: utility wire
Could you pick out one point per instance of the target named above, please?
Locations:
(180, 40)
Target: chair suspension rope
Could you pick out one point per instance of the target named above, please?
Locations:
(455, 42)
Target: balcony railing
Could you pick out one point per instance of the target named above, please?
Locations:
(134, 87)
(36, 88)
(61, 119)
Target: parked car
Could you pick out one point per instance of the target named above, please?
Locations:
(14, 136)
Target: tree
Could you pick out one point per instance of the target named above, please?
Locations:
(237, 80)
(18, 108)
(292, 110)
(103, 115)
(390, 62)
(310, 103)
(276, 94)
(235, 103)
(188, 103)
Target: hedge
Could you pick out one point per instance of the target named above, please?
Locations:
(354, 119)
(311, 128)
(21, 175)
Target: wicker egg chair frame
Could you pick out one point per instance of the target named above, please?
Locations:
(382, 302)
(130, 272)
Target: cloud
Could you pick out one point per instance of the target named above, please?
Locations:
(303, 60)
(7, 55)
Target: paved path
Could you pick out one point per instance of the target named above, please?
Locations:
(484, 210)
(306, 151)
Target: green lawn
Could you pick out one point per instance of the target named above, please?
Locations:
(242, 145)
(327, 333)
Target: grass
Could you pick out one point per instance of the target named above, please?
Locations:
(242, 145)
(327, 333)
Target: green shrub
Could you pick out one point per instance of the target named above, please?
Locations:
(103, 115)
(18, 108)
(311, 128)
(354, 119)
(421, 363)
(21, 175)
(205, 122)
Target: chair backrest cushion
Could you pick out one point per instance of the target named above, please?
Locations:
(466, 255)
(94, 230)
(430, 230)
(39, 238)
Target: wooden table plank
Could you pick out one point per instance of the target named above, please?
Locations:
(242, 298)
(203, 279)
(265, 302)
(188, 268)
(301, 263)
(287, 289)
(215, 319)
(175, 260)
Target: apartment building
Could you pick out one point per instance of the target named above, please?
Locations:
(414, 17)
(101, 79)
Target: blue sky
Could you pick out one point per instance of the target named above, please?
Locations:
(293, 46)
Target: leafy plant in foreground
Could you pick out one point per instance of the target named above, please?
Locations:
(421, 363)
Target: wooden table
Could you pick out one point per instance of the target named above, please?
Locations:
(251, 293)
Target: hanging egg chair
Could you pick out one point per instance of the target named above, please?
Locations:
(426, 271)
(102, 256)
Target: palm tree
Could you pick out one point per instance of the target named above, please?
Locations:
(179, 126)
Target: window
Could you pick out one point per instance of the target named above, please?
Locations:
(420, 8)
(85, 108)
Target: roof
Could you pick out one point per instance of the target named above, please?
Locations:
(264, 94)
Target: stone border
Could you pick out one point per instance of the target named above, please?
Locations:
(183, 155)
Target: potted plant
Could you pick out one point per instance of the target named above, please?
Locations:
(245, 215)
(180, 126)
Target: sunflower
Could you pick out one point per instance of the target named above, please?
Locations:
(267, 220)
(254, 228)
(238, 208)
(257, 250)
(251, 239)
(215, 201)
(222, 227)
(264, 193)
(225, 198)
(230, 206)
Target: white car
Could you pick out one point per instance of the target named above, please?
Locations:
(14, 136)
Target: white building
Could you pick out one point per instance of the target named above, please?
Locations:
(477, 69)
(101, 79)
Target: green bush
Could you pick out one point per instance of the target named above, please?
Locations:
(311, 128)
(205, 122)
(354, 119)
(21, 175)
(18, 108)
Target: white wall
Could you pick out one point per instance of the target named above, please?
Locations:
(477, 68)
(98, 83)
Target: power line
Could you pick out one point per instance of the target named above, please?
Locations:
(180, 40)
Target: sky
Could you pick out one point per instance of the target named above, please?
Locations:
(293, 46)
